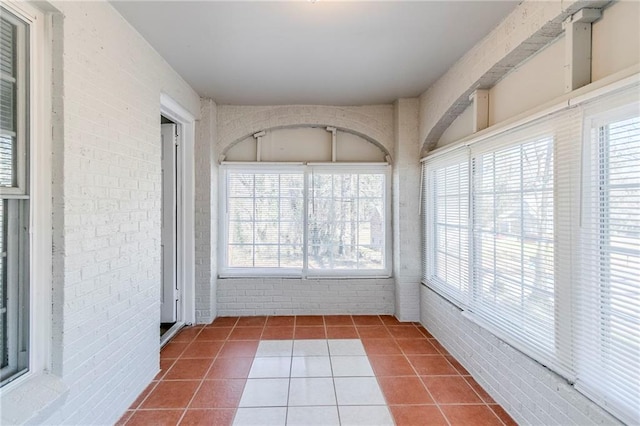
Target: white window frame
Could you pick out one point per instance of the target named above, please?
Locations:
(306, 169)
(574, 139)
(40, 192)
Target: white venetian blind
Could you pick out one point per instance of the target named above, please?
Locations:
(516, 269)
(446, 202)
(606, 294)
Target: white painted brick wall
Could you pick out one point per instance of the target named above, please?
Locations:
(295, 296)
(274, 296)
(530, 27)
(238, 122)
(206, 202)
(407, 263)
(531, 393)
(107, 193)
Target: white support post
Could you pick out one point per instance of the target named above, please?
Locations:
(258, 136)
(577, 65)
(334, 143)
(480, 99)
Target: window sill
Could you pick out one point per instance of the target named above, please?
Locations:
(32, 400)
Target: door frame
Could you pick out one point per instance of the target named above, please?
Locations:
(185, 244)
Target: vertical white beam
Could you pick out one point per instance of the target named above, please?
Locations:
(480, 99)
(258, 136)
(334, 143)
(577, 67)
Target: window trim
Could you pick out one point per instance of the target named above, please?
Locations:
(567, 220)
(39, 178)
(304, 272)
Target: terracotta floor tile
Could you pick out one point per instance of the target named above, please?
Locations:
(417, 347)
(124, 418)
(218, 394)
(425, 332)
(381, 347)
(464, 415)
(439, 347)
(155, 418)
(202, 349)
(373, 332)
(230, 368)
(187, 334)
(341, 332)
(277, 333)
(391, 365)
(173, 349)
(391, 320)
(165, 365)
(418, 415)
(479, 390)
(402, 332)
(503, 415)
(172, 394)
(451, 390)
(366, 320)
(251, 321)
(214, 333)
(239, 349)
(280, 321)
(459, 368)
(143, 395)
(216, 417)
(189, 369)
(432, 365)
(404, 390)
(309, 333)
(309, 320)
(224, 322)
(246, 333)
(338, 320)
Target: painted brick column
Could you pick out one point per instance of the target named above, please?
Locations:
(206, 177)
(406, 203)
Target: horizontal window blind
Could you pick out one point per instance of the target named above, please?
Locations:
(446, 200)
(552, 258)
(607, 292)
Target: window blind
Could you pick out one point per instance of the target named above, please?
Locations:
(607, 292)
(446, 201)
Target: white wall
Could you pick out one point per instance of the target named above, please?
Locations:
(107, 204)
(270, 296)
(530, 392)
(206, 205)
(540, 78)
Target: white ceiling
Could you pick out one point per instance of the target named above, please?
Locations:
(299, 52)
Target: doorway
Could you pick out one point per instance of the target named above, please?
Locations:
(170, 317)
(177, 298)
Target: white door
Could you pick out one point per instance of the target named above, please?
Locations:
(169, 294)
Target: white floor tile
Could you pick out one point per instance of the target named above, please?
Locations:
(367, 415)
(311, 416)
(311, 391)
(275, 348)
(358, 391)
(351, 366)
(311, 366)
(272, 416)
(310, 348)
(265, 393)
(346, 347)
(270, 367)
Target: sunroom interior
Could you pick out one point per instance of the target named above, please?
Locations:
(492, 207)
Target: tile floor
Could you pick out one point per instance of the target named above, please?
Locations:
(311, 370)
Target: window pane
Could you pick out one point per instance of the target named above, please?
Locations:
(346, 217)
(513, 240)
(8, 108)
(7, 161)
(265, 212)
